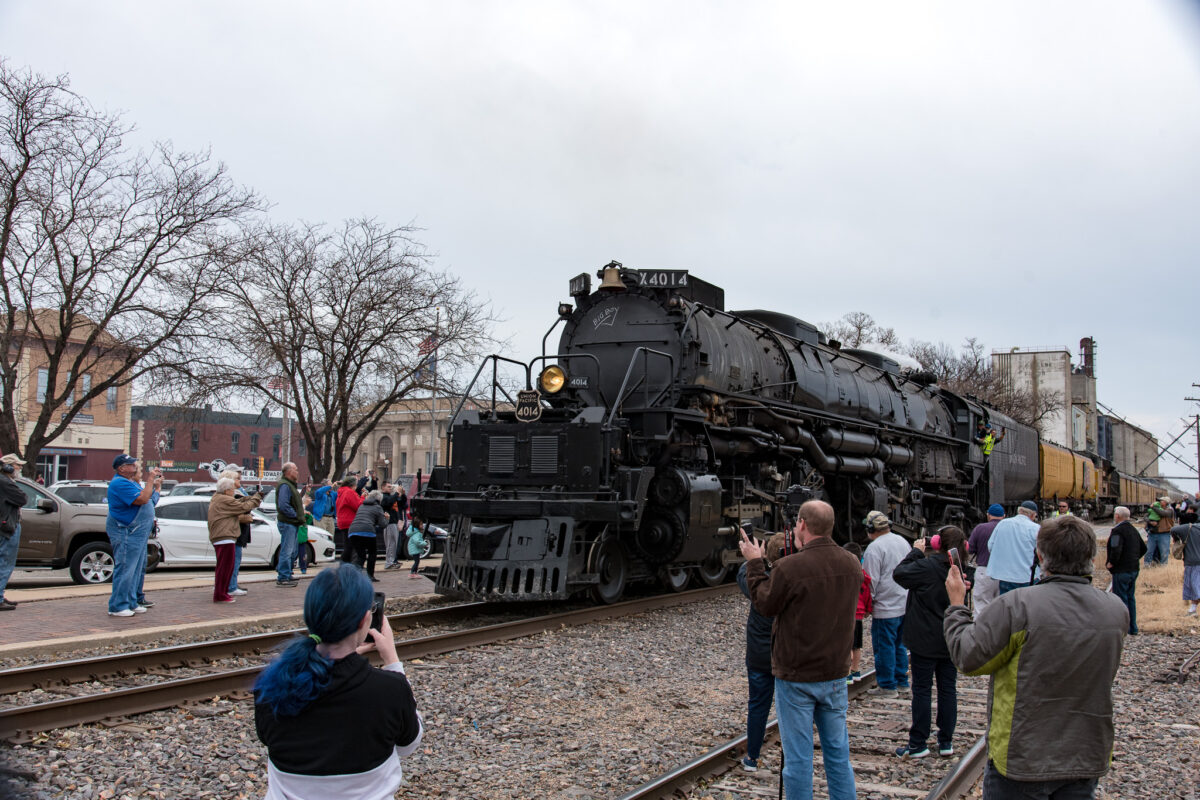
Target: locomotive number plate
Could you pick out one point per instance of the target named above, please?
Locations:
(529, 405)
(663, 278)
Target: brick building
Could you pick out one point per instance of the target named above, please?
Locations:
(98, 433)
(182, 440)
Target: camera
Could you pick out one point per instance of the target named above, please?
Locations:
(377, 611)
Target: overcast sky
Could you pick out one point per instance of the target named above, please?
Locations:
(1027, 173)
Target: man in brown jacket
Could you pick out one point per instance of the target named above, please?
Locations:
(812, 594)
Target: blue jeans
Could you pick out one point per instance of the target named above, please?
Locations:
(237, 564)
(1158, 548)
(891, 659)
(1008, 586)
(923, 670)
(287, 550)
(8, 558)
(800, 705)
(998, 787)
(129, 558)
(1123, 585)
(762, 692)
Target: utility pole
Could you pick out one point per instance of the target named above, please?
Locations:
(1196, 400)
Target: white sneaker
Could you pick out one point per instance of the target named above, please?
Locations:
(139, 609)
(124, 612)
(238, 592)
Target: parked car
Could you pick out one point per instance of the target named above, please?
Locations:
(191, 487)
(87, 493)
(56, 533)
(183, 534)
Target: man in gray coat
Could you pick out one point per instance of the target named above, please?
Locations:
(888, 601)
(1052, 651)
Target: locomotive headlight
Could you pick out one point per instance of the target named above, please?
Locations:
(552, 379)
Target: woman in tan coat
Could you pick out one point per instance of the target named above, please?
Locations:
(226, 512)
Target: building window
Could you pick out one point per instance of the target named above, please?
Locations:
(43, 382)
(418, 438)
(254, 444)
(302, 447)
(385, 448)
(366, 462)
(275, 451)
(86, 382)
(403, 463)
(195, 441)
(428, 460)
(110, 400)
(235, 439)
(168, 439)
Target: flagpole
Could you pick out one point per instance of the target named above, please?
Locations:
(286, 450)
(433, 396)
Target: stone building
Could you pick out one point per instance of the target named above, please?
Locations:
(409, 437)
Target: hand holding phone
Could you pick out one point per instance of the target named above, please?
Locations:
(955, 558)
(377, 611)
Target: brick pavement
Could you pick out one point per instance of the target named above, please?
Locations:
(85, 619)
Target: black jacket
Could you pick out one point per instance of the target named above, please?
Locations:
(925, 578)
(369, 519)
(391, 507)
(1125, 548)
(352, 727)
(758, 632)
(12, 498)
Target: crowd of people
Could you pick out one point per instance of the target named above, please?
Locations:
(1031, 619)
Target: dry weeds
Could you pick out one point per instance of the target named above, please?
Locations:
(1160, 605)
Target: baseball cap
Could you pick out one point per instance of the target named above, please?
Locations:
(995, 510)
(11, 458)
(1029, 505)
(877, 520)
(123, 459)
(1164, 499)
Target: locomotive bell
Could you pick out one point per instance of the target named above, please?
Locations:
(612, 279)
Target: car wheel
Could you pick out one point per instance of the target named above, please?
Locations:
(93, 563)
(427, 549)
(312, 554)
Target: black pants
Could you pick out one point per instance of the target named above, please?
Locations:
(998, 787)
(923, 671)
(359, 548)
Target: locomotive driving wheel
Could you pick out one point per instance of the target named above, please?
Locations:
(609, 563)
(673, 578)
(712, 573)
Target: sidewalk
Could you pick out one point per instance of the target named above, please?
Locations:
(70, 622)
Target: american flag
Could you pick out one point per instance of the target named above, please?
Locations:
(428, 345)
(276, 383)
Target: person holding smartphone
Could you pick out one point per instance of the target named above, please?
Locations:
(923, 573)
(335, 726)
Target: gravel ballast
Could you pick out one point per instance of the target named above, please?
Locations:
(576, 713)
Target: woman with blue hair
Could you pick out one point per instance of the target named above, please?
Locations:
(335, 726)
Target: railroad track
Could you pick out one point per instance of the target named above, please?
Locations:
(718, 770)
(19, 724)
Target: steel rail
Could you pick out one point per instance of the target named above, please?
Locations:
(21, 722)
(963, 775)
(193, 654)
(716, 760)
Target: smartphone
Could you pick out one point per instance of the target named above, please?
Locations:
(377, 611)
(955, 558)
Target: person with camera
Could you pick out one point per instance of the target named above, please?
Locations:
(12, 498)
(289, 514)
(226, 511)
(363, 534)
(335, 726)
(812, 595)
(923, 573)
(130, 522)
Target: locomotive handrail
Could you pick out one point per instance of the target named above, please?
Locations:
(467, 393)
(645, 352)
(550, 331)
(592, 356)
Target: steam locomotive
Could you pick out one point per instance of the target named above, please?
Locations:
(665, 422)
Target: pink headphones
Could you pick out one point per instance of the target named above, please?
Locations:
(935, 541)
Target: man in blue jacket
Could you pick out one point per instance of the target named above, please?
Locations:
(130, 522)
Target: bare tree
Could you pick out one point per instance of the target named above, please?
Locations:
(106, 254)
(969, 372)
(338, 326)
(858, 329)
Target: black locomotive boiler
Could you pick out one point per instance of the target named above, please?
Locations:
(664, 423)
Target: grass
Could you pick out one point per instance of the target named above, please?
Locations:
(1160, 604)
